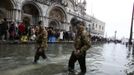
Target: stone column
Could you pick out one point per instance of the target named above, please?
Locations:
(9, 15)
(40, 18)
(66, 26)
(46, 21)
(63, 26)
(16, 15)
(43, 19)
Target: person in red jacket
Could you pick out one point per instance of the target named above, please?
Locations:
(21, 29)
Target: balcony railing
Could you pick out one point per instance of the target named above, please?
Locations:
(50, 2)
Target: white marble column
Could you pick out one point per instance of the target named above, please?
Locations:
(40, 18)
(9, 15)
(20, 16)
(44, 20)
(12, 15)
(16, 15)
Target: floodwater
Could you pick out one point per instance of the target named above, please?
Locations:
(101, 59)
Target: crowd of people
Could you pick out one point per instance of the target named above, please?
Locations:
(26, 32)
(59, 35)
(99, 39)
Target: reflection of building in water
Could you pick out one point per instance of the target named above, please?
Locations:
(53, 13)
(60, 48)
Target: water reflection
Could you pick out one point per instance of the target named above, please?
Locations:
(60, 48)
(102, 59)
(130, 70)
(114, 59)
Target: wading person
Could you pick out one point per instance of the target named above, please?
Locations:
(41, 43)
(82, 43)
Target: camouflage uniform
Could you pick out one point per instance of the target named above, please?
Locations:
(82, 43)
(41, 44)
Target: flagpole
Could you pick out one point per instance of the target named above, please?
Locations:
(131, 29)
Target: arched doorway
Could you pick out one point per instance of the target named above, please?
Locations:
(54, 24)
(30, 13)
(5, 9)
(57, 16)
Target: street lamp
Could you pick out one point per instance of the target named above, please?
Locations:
(115, 35)
(131, 29)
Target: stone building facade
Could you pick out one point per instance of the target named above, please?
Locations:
(97, 28)
(53, 13)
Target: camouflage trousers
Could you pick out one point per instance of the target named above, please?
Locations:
(39, 52)
(81, 59)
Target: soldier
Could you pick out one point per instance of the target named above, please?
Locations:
(82, 43)
(41, 43)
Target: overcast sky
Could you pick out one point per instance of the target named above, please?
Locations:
(115, 13)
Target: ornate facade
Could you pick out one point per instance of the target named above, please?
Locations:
(53, 13)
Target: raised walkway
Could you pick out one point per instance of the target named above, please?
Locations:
(32, 42)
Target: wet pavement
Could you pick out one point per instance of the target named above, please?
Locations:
(102, 59)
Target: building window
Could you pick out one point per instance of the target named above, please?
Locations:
(99, 27)
(96, 25)
(93, 26)
(102, 28)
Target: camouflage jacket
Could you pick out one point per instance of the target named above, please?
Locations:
(42, 39)
(82, 41)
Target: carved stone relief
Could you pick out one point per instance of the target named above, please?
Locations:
(57, 14)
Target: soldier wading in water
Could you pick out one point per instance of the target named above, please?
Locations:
(41, 41)
(82, 43)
